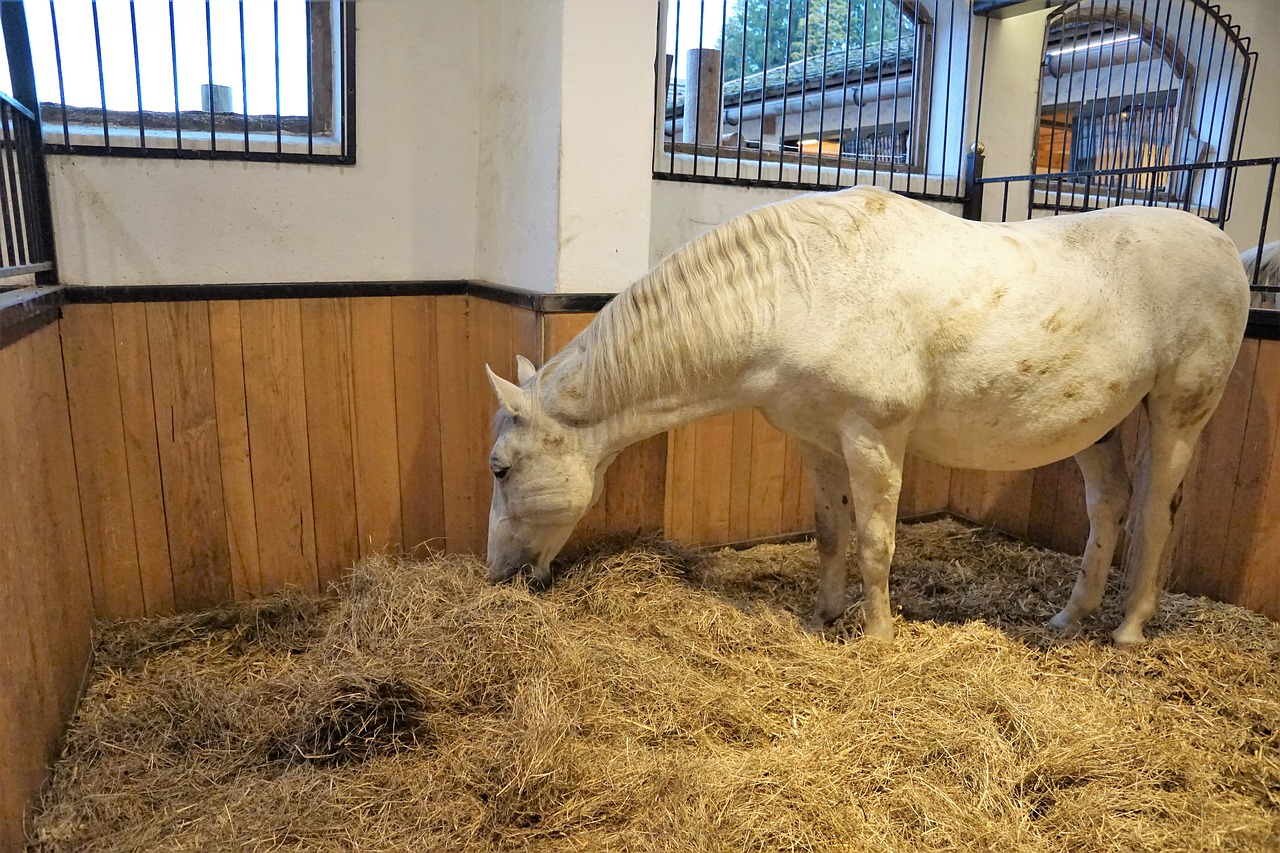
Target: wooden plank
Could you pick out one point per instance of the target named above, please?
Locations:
(741, 465)
(142, 454)
(330, 405)
(768, 474)
(377, 458)
(102, 460)
(1212, 483)
(275, 398)
(186, 419)
(678, 500)
(1044, 497)
(932, 486)
(965, 497)
(713, 440)
(231, 406)
(526, 331)
(1253, 495)
(490, 343)
(793, 484)
(454, 372)
(1070, 513)
(417, 395)
(1006, 501)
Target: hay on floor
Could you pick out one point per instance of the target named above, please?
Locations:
(657, 700)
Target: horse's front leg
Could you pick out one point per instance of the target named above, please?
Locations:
(830, 480)
(874, 459)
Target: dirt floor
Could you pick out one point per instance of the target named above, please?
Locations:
(655, 699)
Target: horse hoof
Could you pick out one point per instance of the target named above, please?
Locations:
(1127, 638)
(1064, 622)
(883, 633)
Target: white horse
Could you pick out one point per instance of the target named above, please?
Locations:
(870, 326)
(1268, 276)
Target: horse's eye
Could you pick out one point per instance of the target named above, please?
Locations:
(500, 471)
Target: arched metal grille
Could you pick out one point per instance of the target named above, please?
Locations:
(1128, 86)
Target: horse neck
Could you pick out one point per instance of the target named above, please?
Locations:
(618, 424)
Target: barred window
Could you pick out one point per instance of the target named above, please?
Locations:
(1128, 86)
(234, 79)
(812, 92)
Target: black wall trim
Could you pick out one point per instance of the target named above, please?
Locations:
(1264, 324)
(26, 309)
(546, 303)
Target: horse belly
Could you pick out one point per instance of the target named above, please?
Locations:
(1017, 431)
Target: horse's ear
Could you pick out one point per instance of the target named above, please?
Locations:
(524, 369)
(509, 394)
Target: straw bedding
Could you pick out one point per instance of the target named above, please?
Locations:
(654, 699)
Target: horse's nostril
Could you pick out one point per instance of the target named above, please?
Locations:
(539, 584)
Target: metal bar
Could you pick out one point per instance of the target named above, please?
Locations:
(917, 80)
(776, 184)
(875, 133)
(137, 73)
(724, 12)
(742, 88)
(244, 80)
(208, 43)
(349, 80)
(897, 70)
(946, 101)
(32, 200)
(102, 85)
(311, 105)
(786, 88)
(173, 53)
(764, 89)
(57, 57)
(822, 91)
(675, 91)
(844, 90)
(275, 40)
(1004, 204)
(697, 118)
(862, 95)
(964, 96)
(6, 213)
(982, 82)
(13, 212)
(1173, 167)
(1266, 212)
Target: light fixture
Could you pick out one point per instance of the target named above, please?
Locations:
(1092, 45)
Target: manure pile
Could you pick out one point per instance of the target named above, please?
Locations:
(654, 699)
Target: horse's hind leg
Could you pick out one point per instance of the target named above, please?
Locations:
(874, 459)
(1106, 491)
(830, 478)
(1161, 468)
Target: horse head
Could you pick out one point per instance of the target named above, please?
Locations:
(547, 472)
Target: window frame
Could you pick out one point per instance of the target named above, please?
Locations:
(327, 135)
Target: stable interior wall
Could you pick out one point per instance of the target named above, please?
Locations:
(46, 607)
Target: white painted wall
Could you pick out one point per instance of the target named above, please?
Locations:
(405, 211)
(506, 140)
(517, 218)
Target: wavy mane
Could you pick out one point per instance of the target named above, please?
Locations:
(700, 310)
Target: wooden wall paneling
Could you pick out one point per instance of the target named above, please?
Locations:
(1006, 501)
(491, 343)
(930, 486)
(181, 373)
(1219, 469)
(678, 501)
(377, 457)
(234, 459)
(417, 395)
(142, 453)
(527, 336)
(768, 474)
(965, 498)
(712, 472)
(45, 590)
(456, 421)
(794, 482)
(1070, 514)
(93, 390)
(275, 397)
(742, 460)
(1044, 497)
(1257, 528)
(327, 380)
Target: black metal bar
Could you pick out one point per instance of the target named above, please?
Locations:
(213, 106)
(102, 85)
(844, 90)
(786, 88)
(946, 102)
(897, 71)
(780, 184)
(35, 203)
(1004, 204)
(57, 56)
(675, 92)
(11, 251)
(964, 89)
(137, 74)
(764, 90)
(349, 80)
(13, 210)
(244, 80)
(275, 40)
(875, 133)
(311, 94)
(173, 54)
(862, 95)
(697, 117)
(822, 91)
(1262, 231)
(973, 182)
(742, 87)
(982, 82)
